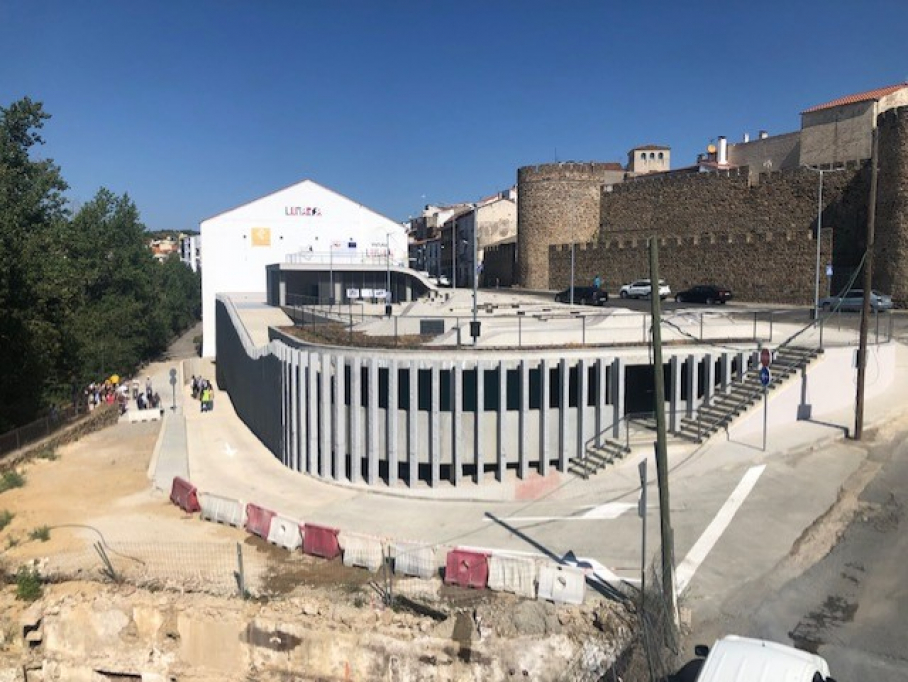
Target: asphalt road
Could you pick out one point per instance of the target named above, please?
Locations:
(851, 606)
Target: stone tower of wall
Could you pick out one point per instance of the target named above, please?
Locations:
(552, 200)
(891, 234)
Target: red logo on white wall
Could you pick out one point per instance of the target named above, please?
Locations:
(302, 210)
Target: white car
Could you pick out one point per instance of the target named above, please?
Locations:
(741, 659)
(643, 288)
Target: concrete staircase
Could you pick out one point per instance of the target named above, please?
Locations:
(724, 407)
(711, 417)
(597, 457)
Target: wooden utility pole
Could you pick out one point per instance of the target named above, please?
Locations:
(868, 288)
(668, 541)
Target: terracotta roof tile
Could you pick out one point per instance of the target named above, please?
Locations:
(868, 96)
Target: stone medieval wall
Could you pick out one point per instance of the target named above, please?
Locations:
(499, 265)
(756, 239)
(891, 234)
(554, 201)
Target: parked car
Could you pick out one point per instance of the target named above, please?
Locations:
(643, 288)
(443, 281)
(854, 300)
(742, 659)
(583, 296)
(704, 293)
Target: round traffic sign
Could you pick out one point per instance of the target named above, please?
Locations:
(765, 376)
(765, 357)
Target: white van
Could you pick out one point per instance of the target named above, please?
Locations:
(741, 659)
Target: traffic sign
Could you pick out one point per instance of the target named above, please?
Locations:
(765, 376)
(173, 377)
(829, 270)
(765, 357)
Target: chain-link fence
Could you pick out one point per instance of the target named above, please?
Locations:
(222, 569)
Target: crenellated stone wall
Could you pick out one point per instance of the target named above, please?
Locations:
(753, 233)
(757, 239)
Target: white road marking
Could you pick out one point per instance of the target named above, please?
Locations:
(611, 510)
(229, 451)
(717, 526)
(604, 512)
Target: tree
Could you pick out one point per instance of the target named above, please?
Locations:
(80, 297)
(31, 207)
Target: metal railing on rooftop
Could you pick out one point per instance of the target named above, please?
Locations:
(539, 325)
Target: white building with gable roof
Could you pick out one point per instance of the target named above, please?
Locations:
(303, 220)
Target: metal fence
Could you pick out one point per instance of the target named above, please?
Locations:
(221, 569)
(359, 323)
(41, 428)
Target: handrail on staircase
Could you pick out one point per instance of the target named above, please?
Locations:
(625, 419)
(749, 397)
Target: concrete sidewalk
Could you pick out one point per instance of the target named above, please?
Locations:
(559, 514)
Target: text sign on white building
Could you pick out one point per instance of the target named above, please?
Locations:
(352, 293)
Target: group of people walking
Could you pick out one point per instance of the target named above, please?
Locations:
(113, 391)
(147, 399)
(203, 392)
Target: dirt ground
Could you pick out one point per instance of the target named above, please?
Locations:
(97, 491)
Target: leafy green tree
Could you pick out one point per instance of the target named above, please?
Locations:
(80, 296)
(32, 206)
(116, 323)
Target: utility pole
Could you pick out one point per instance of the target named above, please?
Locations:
(668, 541)
(868, 288)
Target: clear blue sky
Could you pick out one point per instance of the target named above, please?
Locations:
(195, 107)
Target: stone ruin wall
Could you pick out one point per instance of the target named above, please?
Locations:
(757, 239)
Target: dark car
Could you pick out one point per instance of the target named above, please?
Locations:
(704, 293)
(583, 296)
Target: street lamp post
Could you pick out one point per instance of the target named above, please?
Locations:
(475, 330)
(816, 287)
(388, 262)
(388, 297)
(330, 274)
(572, 263)
(454, 254)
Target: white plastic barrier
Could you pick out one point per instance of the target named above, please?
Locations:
(411, 558)
(562, 584)
(285, 533)
(361, 550)
(222, 510)
(151, 415)
(509, 573)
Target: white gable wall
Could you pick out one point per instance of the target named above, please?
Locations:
(240, 243)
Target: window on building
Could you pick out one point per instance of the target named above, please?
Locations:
(661, 156)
